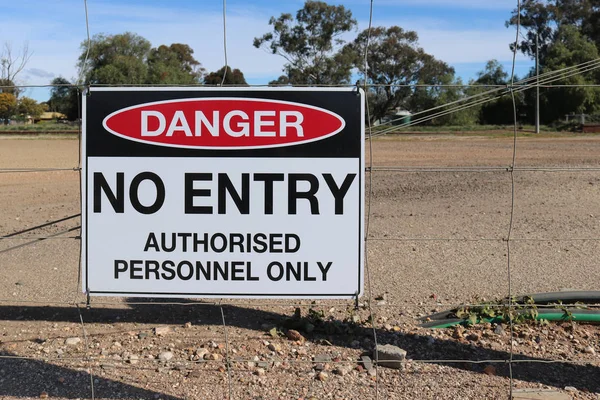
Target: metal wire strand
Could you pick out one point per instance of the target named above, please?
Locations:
(225, 41)
(512, 200)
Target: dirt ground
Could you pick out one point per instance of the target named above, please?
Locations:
(435, 240)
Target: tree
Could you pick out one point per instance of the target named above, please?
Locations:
(235, 77)
(544, 18)
(174, 64)
(8, 103)
(28, 107)
(115, 59)
(311, 43)
(64, 98)
(395, 64)
(11, 65)
(501, 110)
(570, 48)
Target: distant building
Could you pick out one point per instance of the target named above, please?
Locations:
(51, 116)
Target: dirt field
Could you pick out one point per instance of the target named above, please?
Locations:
(435, 240)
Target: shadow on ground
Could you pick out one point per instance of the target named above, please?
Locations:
(557, 374)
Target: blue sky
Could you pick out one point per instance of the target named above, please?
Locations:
(464, 33)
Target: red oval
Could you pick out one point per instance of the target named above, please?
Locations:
(223, 123)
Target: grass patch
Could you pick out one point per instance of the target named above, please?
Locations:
(40, 127)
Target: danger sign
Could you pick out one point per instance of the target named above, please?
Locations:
(194, 192)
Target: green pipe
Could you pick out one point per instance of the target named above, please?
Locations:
(593, 317)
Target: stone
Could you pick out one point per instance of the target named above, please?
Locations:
(260, 372)
(162, 330)
(142, 335)
(201, 352)
(499, 330)
(322, 376)
(294, 335)
(274, 347)
(389, 356)
(44, 395)
(187, 325)
(342, 370)
(570, 389)
(133, 359)
(72, 341)
(367, 363)
(473, 337)
(165, 356)
(589, 350)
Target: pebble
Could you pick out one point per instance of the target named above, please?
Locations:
(589, 350)
(162, 330)
(44, 395)
(187, 325)
(142, 335)
(201, 352)
(342, 370)
(133, 359)
(294, 335)
(322, 376)
(72, 341)
(473, 337)
(260, 372)
(165, 356)
(274, 347)
(570, 389)
(499, 330)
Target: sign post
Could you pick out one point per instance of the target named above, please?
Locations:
(245, 192)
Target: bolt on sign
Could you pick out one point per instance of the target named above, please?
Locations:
(245, 192)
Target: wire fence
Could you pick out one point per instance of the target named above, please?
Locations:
(235, 323)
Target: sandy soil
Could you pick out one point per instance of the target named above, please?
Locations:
(435, 240)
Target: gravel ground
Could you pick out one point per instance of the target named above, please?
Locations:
(435, 240)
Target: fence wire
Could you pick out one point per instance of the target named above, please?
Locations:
(232, 364)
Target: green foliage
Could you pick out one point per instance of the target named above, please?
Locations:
(174, 64)
(235, 77)
(570, 48)
(499, 311)
(129, 59)
(395, 64)
(115, 59)
(8, 104)
(311, 43)
(64, 98)
(28, 107)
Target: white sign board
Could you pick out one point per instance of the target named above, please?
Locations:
(223, 193)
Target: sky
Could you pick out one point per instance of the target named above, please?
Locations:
(463, 33)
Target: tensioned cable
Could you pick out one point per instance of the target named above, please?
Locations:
(520, 88)
(523, 85)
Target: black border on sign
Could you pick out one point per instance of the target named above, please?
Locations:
(361, 200)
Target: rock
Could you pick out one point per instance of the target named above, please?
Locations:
(342, 370)
(322, 376)
(294, 335)
(367, 363)
(390, 356)
(473, 337)
(44, 395)
(162, 330)
(133, 359)
(142, 335)
(322, 358)
(274, 347)
(260, 372)
(72, 341)
(165, 356)
(201, 352)
(589, 350)
(570, 389)
(499, 330)
(187, 325)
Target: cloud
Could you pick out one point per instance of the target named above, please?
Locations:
(39, 73)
